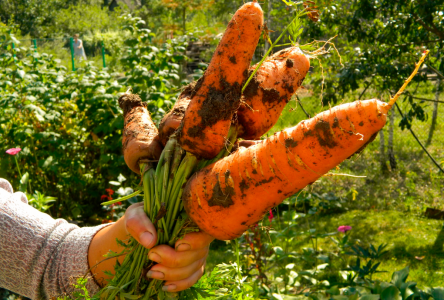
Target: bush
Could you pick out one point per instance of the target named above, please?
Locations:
(69, 123)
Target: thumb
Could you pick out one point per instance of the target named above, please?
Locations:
(139, 226)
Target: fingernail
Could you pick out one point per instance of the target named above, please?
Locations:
(155, 257)
(169, 288)
(146, 238)
(155, 275)
(183, 247)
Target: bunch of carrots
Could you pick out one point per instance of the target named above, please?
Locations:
(200, 182)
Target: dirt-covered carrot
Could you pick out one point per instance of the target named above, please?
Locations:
(269, 91)
(227, 197)
(216, 96)
(262, 102)
(140, 135)
(171, 121)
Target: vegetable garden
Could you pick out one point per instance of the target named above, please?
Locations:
(267, 151)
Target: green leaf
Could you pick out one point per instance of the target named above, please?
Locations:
(369, 297)
(391, 293)
(21, 73)
(399, 277)
(437, 293)
(25, 178)
(47, 162)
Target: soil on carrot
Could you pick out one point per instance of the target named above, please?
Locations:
(268, 95)
(219, 105)
(323, 134)
(220, 198)
(128, 101)
(286, 84)
(290, 143)
(252, 87)
(289, 63)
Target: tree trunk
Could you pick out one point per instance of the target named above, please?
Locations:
(435, 114)
(391, 153)
(384, 168)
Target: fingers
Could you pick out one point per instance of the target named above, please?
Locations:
(170, 258)
(193, 241)
(162, 272)
(139, 225)
(177, 286)
(181, 267)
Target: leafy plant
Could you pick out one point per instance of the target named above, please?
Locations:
(40, 201)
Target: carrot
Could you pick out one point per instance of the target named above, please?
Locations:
(171, 121)
(276, 80)
(230, 195)
(263, 100)
(140, 136)
(216, 96)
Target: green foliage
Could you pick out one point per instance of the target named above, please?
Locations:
(80, 291)
(40, 201)
(84, 18)
(379, 41)
(302, 258)
(152, 72)
(224, 282)
(55, 115)
(31, 16)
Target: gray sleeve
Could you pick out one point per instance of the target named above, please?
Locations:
(40, 257)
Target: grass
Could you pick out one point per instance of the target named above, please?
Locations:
(412, 241)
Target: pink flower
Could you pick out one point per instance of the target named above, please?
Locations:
(270, 216)
(344, 228)
(110, 191)
(13, 151)
(104, 197)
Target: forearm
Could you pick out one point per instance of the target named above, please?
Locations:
(101, 244)
(40, 256)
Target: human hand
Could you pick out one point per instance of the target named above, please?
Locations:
(182, 266)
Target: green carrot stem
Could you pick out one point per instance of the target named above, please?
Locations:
(189, 163)
(122, 198)
(269, 51)
(178, 153)
(178, 182)
(152, 184)
(166, 169)
(146, 193)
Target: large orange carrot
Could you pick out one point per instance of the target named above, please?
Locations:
(216, 96)
(230, 195)
(140, 136)
(263, 100)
